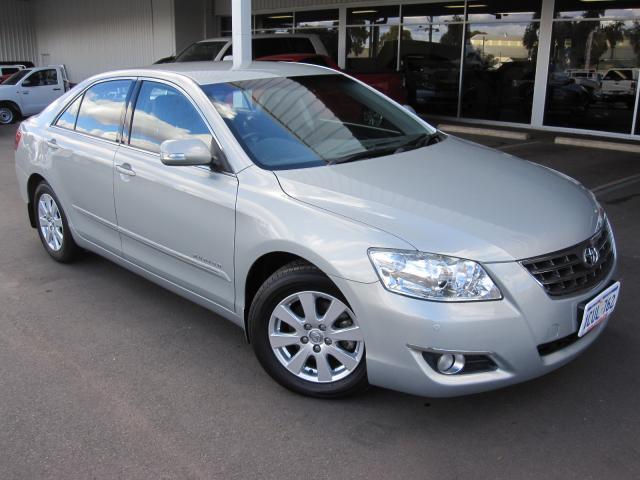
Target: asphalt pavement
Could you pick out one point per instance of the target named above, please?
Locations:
(106, 375)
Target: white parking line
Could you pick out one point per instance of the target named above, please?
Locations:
(616, 184)
(516, 145)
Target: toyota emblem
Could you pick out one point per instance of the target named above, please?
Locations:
(590, 256)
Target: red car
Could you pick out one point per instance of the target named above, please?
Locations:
(391, 84)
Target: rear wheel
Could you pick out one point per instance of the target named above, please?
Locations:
(8, 114)
(305, 335)
(52, 225)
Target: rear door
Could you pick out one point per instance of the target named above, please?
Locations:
(177, 222)
(39, 89)
(83, 142)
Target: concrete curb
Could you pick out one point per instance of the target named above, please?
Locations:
(490, 132)
(583, 142)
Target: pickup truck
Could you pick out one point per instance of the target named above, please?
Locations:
(389, 83)
(29, 91)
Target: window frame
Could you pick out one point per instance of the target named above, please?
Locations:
(68, 104)
(127, 122)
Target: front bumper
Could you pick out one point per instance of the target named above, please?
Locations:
(398, 329)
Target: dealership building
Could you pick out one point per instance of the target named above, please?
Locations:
(562, 65)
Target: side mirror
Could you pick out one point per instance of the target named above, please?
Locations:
(183, 153)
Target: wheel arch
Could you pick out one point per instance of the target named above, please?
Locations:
(12, 104)
(34, 180)
(261, 269)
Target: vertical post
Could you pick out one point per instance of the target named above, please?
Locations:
(542, 63)
(342, 37)
(241, 33)
(463, 50)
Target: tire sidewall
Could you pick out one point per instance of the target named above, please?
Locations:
(69, 247)
(265, 301)
(14, 115)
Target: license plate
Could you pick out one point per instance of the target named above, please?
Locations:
(598, 309)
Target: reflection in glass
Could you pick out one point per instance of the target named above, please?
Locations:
(68, 118)
(499, 71)
(101, 109)
(430, 62)
(280, 22)
(504, 10)
(623, 10)
(432, 12)
(376, 15)
(317, 18)
(162, 113)
(372, 49)
(593, 74)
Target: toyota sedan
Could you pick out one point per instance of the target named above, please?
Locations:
(354, 243)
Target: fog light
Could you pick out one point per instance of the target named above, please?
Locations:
(450, 364)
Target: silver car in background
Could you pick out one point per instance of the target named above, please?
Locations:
(352, 241)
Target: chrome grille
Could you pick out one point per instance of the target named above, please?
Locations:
(565, 272)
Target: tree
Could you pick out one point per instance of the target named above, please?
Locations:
(392, 35)
(633, 34)
(614, 33)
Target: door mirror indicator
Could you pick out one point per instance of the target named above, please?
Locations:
(185, 153)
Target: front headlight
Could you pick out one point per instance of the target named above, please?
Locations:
(433, 277)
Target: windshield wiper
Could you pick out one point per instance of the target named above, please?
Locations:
(374, 152)
(423, 140)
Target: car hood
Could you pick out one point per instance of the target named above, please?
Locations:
(455, 198)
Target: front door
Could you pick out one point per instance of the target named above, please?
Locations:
(39, 89)
(177, 222)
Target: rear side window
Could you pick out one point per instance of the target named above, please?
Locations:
(263, 47)
(199, 52)
(68, 118)
(102, 107)
(41, 78)
(163, 113)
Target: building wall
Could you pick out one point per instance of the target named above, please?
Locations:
(92, 36)
(191, 20)
(17, 33)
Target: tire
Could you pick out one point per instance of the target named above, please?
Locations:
(52, 226)
(8, 114)
(322, 374)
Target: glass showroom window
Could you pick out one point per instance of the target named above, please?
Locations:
(372, 39)
(274, 23)
(501, 46)
(594, 64)
(323, 23)
(430, 51)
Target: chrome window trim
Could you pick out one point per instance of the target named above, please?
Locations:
(181, 90)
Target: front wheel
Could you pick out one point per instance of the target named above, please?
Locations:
(305, 335)
(8, 114)
(52, 225)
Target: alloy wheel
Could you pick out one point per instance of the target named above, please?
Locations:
(316, 337)
(50, 222)
(6, 115)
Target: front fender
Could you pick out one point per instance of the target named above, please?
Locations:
(268, 220)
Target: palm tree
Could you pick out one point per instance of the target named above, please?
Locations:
(614, 33)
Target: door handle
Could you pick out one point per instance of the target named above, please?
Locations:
(25, 93)
(52, 143)
(56, 89)
(125, 169)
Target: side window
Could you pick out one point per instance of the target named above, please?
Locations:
(41, 78)
(613, 75)
(68, 118)
(163, 113)
(101, 109)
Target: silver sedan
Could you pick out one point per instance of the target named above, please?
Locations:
(354, 243)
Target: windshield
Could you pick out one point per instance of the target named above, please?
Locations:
(200, 52)
(306, 121)
(16, 77)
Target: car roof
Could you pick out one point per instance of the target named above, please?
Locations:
(205, 73)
